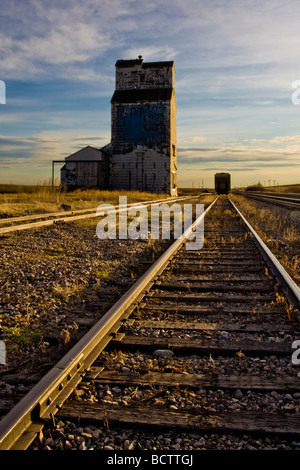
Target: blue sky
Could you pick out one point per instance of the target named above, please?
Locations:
(235, 64)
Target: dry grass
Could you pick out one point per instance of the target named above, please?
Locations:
(291, 188)
(68, 289)
(277, 230)
(45, 199)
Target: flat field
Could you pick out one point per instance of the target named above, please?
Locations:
(18, 200)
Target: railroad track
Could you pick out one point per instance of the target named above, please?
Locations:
(290, 201)
(198, 345)
(13, 224)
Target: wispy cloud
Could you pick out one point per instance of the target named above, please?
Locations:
(286, 139)
(151, 53)
(264, 157)
(42, 148)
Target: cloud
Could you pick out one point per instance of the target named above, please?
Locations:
(242, 158)
(41, 149)
(194, 139)
(82, 40)
(73, 38)
(151, 53)
(286, 139)
(56, 34)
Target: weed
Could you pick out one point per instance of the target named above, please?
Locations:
(266, 272)
(69, 289)
(267, 222)
(212, 362)
(3, 274)
(289, 311)
(280, 299)
(66, 336)
(21, 335)
(53, 251)
(104, 274)
(290, 234)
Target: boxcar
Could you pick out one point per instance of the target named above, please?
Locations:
(222, 183)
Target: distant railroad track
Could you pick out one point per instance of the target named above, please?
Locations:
(231, 299)
(291, 201)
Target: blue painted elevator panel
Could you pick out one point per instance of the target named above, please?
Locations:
(142, 124)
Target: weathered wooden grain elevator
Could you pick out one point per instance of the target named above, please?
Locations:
(143, 149)
(143, 127)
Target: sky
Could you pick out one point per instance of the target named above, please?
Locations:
(236, 64)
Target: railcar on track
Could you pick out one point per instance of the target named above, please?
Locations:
(222, 183)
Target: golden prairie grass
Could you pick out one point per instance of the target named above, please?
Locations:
(276, 230)
(290, 188)
(267, 222)
(45, 199)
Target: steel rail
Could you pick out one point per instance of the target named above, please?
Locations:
(46, 215)
(278, 197)
(292, 202)
(288, 196)
(87, 215)
(293, 290)
(282, 197)
(69, 212)
(20, 426)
